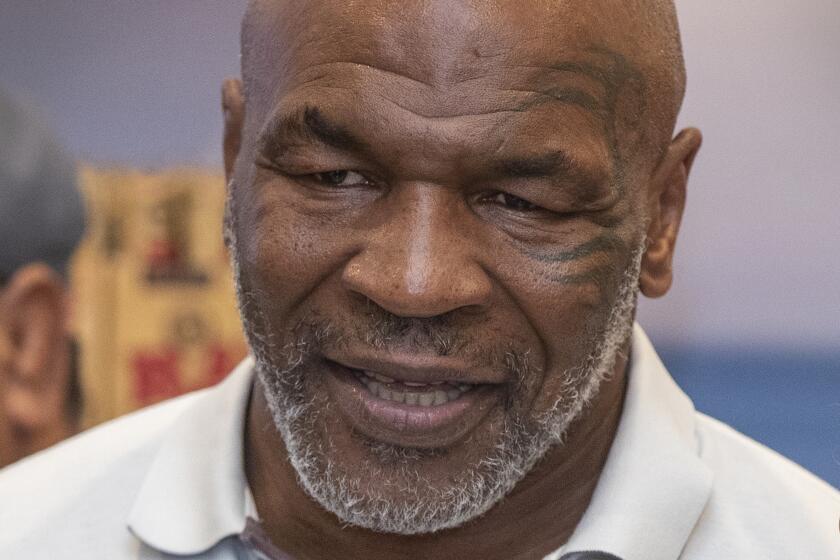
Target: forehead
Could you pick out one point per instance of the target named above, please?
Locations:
(434, 41)
(455, 66)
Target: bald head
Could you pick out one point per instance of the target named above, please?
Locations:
(633, 44)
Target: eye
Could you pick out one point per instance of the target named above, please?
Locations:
(514, 202)
(340, 178)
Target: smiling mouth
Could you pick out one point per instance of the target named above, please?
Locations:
(420, 409)
(412, 394)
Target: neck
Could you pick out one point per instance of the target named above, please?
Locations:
(546, 505)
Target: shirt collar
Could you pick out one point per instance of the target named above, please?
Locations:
(654, 486)
(648, 499)
(195, 492)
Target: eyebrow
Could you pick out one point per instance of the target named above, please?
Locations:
(544, 165)
(306, 125)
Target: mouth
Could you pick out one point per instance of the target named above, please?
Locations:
(410, 407)
(411, 393)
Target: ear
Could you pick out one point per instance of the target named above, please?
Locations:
(34, 370)
(666, 202)
(233, 108)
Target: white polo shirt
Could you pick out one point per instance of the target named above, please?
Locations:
(168, 482)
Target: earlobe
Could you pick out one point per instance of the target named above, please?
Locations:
(666, 203)
(233, 109)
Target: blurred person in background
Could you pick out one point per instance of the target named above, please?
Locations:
(41, 221)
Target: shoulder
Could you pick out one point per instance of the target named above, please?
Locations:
(85, 484)
(76, 500)
(762, 501)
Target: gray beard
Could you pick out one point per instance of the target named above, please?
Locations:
(421, 506)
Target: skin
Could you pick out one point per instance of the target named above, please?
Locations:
(475, 108)
(34, 363)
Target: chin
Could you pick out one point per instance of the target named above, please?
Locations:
(401, 489)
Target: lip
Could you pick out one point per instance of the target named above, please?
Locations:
(406, 425)
(421, 369)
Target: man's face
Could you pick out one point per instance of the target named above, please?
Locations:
(437, 222)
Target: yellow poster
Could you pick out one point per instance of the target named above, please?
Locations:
(154, 303)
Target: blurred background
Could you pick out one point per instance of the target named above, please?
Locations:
(751, 329)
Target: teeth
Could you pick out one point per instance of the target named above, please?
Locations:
(384, 390)
(379, 377)
(383, 387)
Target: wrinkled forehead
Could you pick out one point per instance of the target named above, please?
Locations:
(441, 43)
(445, 59)
(446, 31)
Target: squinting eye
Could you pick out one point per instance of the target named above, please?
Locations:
(341, 178)
(514, 202)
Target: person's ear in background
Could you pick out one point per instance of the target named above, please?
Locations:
(36, 410)
(41, 221)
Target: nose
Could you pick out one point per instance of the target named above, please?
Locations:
(417, 261)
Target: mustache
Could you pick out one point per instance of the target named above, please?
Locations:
(379, 330)
(437, 334)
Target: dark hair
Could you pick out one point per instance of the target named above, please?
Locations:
(42, 213)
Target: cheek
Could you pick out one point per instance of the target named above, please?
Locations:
(561, 304)
(563, 319)
(285, 253)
